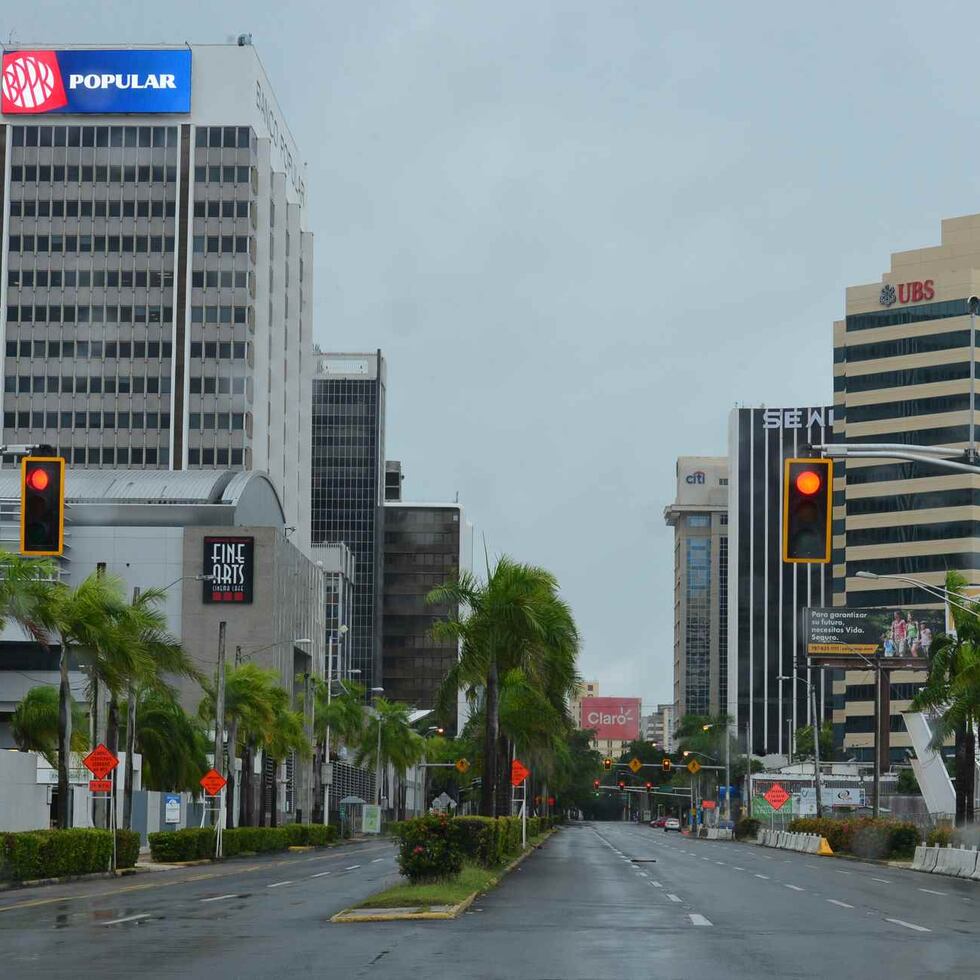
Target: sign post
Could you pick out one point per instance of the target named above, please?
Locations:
(100, 762)
(518, 774)
(213, 783)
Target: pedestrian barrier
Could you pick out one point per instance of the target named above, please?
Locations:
(763, 838)
(919, 860)
(948, 861)
(966, 862)
(812, 843)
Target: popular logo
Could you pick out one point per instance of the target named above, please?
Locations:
(907, 292)
(696, 477)
(32, 83)
(888, 295)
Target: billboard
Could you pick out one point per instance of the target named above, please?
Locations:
(900, 637)
(612, 718)
(90, 81)
(230, 563)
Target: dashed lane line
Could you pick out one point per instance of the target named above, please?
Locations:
(218, 898)
(278, 884)
(884, 881)
(929, 891)
(843, 905)
(908, 925)
(673, 898)
(698, 920)
(353, 867)
(128, 918)
(377, 860)
(656, 884)
(320, 874)
(796, 888)
(765, 877)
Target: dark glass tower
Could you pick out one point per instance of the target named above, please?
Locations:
(348, 491)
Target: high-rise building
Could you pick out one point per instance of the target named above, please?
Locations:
(699, 516)
(348, 474)
(157, 268)
(393, 480)
(658, 727)
(425, 545)
(902, 376)
(767, 596)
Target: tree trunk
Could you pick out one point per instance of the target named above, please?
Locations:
(112, 744)
(130, 750)
(274, 814)
(64, 739)
(245, 809)
(969, 789)
(962, 776)
(488, 787)
(504, 791)
(230, 789)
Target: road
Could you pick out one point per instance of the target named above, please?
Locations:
(597, 901)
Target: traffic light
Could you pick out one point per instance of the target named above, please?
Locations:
(595, 783)
(621, 783)
(808, 486)
(649, 786)
(666, 766)
(42, 505)
(607, 764)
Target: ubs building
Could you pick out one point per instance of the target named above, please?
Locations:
(766, 596)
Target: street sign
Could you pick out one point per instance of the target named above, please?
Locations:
(370, 819)
(551, 801)
(707, 804)
(776, 796)
(213, 782)
(694, 767)
(100, 785)
(171, 808)
(635, 765)
(100, 762)
(462, 766)
(518, 772)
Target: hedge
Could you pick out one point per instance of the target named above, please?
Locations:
(34, 854)
(747, 828)
(863, 836)
(197, 843)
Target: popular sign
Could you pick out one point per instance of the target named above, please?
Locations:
(612, 718)
(229, 561)
(100, 762)
(84, 81)
(907, 292)
(902, 636)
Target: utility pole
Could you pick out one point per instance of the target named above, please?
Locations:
(219, 716)
(816, 747)
(130, 742)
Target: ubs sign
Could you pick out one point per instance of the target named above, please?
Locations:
(907, 292)
(230, 561)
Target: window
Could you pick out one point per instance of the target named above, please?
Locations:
(699, 520)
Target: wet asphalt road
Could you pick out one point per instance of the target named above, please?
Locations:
(597, 901)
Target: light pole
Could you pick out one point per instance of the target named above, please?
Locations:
(377, 765)
(973, 303)
(812, 691)
(340, 632)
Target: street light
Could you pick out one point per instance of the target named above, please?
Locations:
(196, 578)
(812, 691)
(938, 591)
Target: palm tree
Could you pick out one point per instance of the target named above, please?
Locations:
(952, 689)
(173, 745)
(515, 620)
(390, 726)
(338, 718)
(34, 724)
(286, 735)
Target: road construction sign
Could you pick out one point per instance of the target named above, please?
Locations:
(694, 767)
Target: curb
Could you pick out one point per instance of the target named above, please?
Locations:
(9, 886)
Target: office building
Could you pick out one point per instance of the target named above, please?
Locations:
(157, 267)
(658, 727)
(348, 479)
(902, 375)
(699, 516)
(767, 596)
(393, 480)
(425, 545)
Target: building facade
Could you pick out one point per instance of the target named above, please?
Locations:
(658, 727)
(425, 545)
(348, 475)
(157, 273)
(767, 596)
(699, 516)
(902, 375)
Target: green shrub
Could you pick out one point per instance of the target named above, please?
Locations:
(254, 840)
(940, 837)
(36, 854)
(429, 848)
(310, 834)
(190, 844)
(747, 828)
(903, 840)
(862, 836)
(127, 848)
(477, 839)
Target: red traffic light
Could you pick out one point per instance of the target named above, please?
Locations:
(808, 482)
(649, 785)
(38, 478)
(595, 783)
(622, 784)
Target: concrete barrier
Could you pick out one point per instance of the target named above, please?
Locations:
(799, 842)
(966, 862)
(948, 861)
(920, 856)
(929, 858)
(812, 843)
(763, 838)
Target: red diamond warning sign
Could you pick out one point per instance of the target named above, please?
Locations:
(776, 796)
(100, 762)
(213, 782)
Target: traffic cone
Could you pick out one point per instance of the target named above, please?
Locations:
(825, 848)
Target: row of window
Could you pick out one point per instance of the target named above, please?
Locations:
(907, 533)
(902, 347)
(70, 313)
(225, 175)
(73, 173)
(907, 408)
(897, 692)
(221, 350)
(217, 386)
(222, 421)
(221, 209)
(902, 378)
(99, 278)
(86, 420)
(95, 136)
(866, 723)
(906, 314)
(899, 503)
(157, 208)
(59, 244)
(212, 279)
(141, 349)
(938, 436)
(230, 137)
(218, 457)
(221, 244)
(916, 564)
(23, 384)
(220, 314)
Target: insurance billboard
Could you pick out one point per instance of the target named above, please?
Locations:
(900, 636)
(612, 718)
(83, 80)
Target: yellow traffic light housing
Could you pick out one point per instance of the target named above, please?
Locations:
(42, 506)
(808, 486)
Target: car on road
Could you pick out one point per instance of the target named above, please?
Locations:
(658, 822)
(672, 823)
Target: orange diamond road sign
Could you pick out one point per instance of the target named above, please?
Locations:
(100, 785)
(463, 766)
(100, 762)
(635, 765)
(775, 796)
(518, 772)
(213, 782)
(694, 767)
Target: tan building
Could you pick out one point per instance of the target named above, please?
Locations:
(902, 375)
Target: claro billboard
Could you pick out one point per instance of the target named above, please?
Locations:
(612, 718)
(81, 80)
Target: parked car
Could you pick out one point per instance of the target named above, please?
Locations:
(672, 823)
(658, 822)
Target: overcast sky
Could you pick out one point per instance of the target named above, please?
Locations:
(582, 231)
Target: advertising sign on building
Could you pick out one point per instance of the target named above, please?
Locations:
(830, 796)
(612, 718)
(901, 637)
(89, 81)
(229, 561)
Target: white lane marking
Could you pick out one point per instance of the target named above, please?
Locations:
(218, 898)
(841, 872)
(673, 898)
(128, 918)
(320, 874)
(377, 860)
(884, 881)
(796, 888)
(739, 869)
(929, 891)
(817, 866)
(763, 876)
(656, 884)
(279, 884)
(643, 874)
(843, 905)
(908, 925)
(722, 863)
(698, 920)
(353, 867)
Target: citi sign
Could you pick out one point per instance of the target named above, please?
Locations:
(907, 292)
(101, 82)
